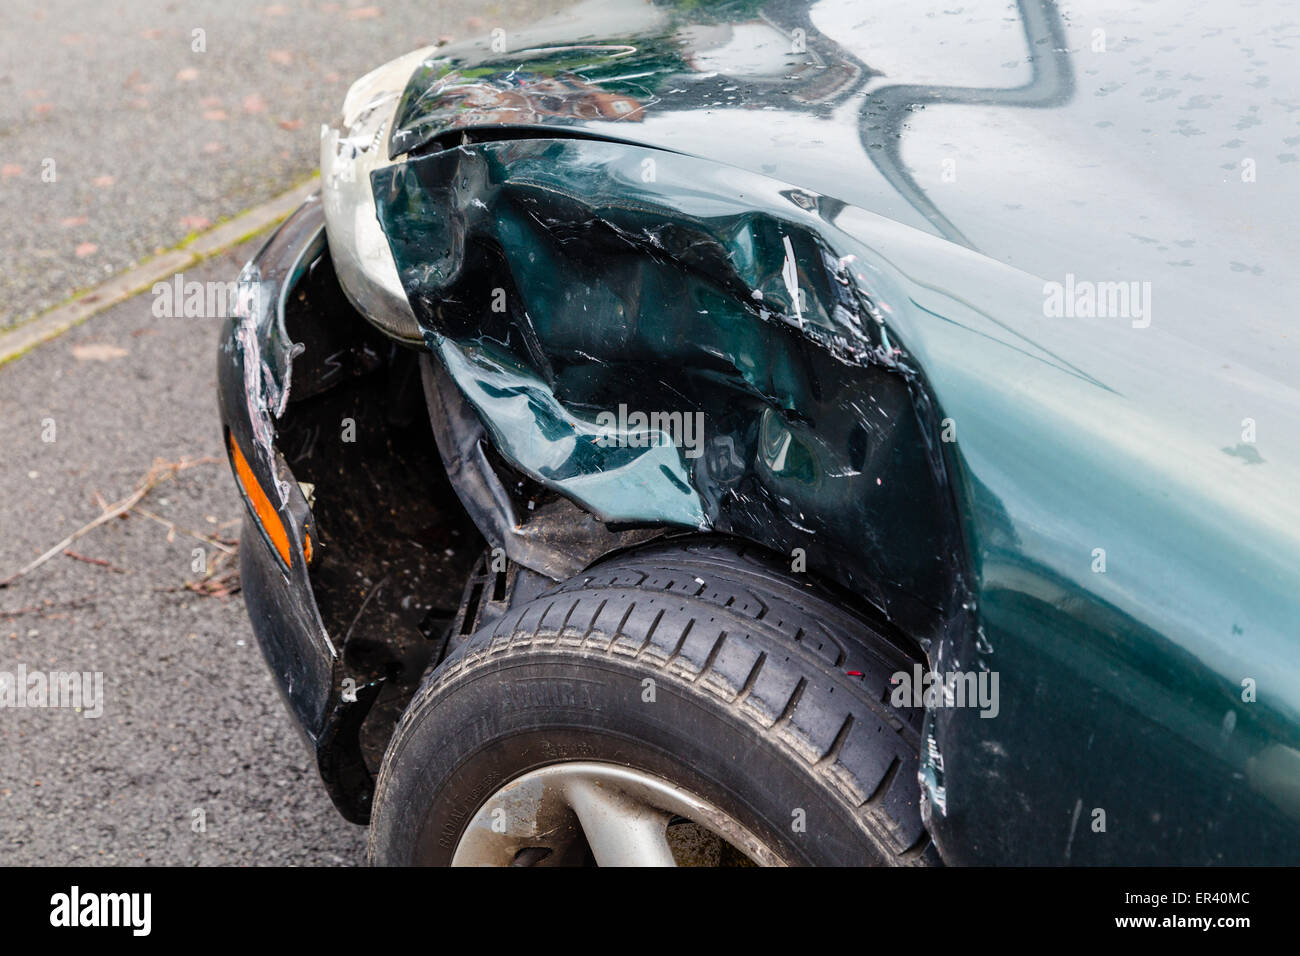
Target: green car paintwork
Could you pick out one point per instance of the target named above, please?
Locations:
(898, 373)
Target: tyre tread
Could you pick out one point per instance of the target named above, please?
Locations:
(730, 623)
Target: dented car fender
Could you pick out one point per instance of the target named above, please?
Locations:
(884, 384)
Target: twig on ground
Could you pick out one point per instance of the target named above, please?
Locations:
(228, 545)
(68, 552)
(46, 606)
(217, 583)
(159, 472)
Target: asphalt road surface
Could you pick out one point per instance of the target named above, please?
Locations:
(119, 136)
(191, 720)
(194, 759)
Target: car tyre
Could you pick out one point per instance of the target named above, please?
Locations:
(754, 695)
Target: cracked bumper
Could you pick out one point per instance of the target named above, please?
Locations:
(253, 374)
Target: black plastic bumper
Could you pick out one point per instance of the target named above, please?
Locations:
(253, 375)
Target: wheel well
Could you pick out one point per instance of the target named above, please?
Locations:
(774, 564)
(413, 509)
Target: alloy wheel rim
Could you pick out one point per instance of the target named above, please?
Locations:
(578, 812)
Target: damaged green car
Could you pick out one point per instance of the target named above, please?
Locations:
(771, 433)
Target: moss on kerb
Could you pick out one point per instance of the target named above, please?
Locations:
(260, 221)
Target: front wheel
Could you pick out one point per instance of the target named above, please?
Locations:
(675, 704)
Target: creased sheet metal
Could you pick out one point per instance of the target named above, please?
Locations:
(562, 281)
